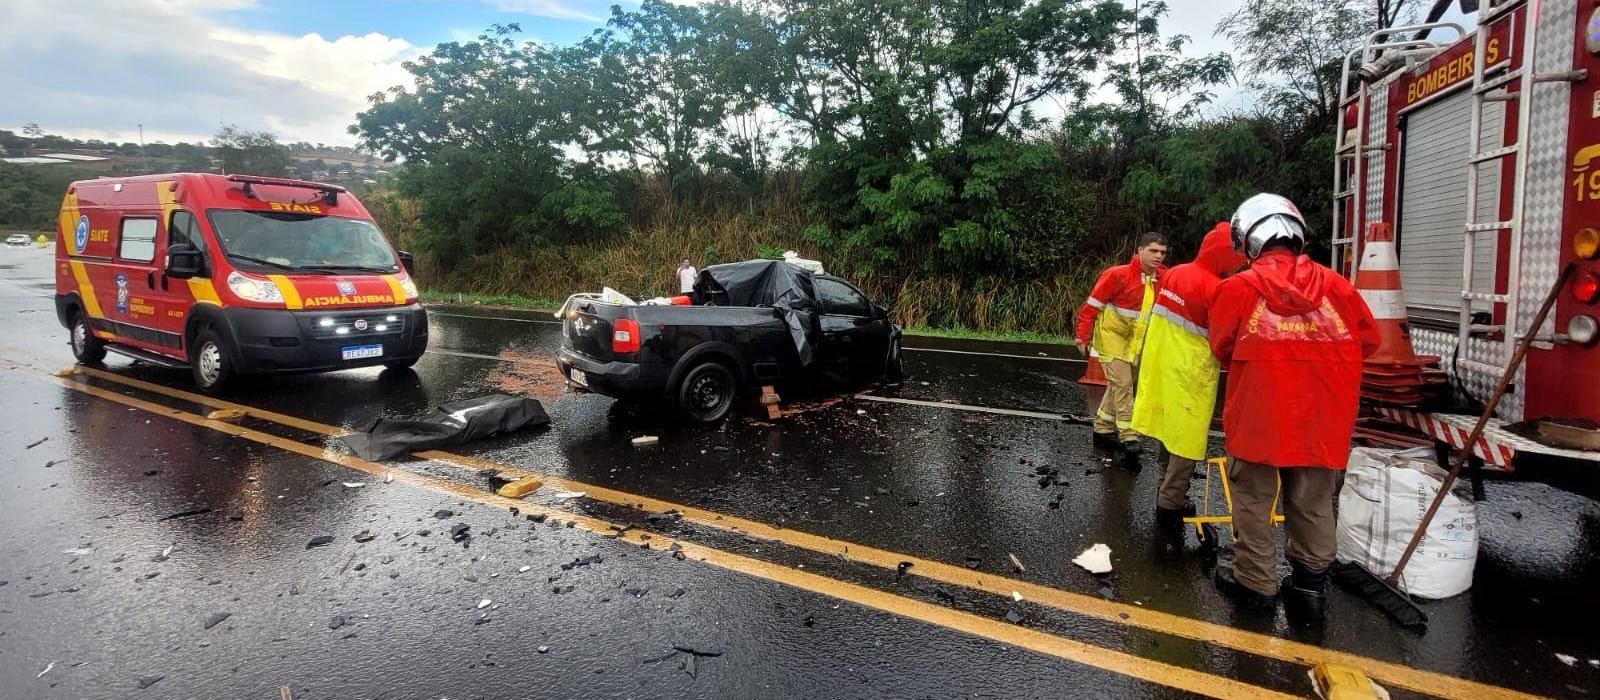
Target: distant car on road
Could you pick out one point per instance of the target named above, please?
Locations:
(761, 322)
(18, 239)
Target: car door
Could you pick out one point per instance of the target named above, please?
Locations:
(855, 340)
(137, 303)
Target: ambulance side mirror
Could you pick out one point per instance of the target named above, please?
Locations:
(183, 262)
(407, 261)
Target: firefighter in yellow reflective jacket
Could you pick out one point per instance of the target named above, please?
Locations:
(1178, 373)
(1114, 319)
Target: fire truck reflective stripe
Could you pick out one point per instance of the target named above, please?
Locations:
(91, 305)
(1386, 304)
(203, 291)
(291, 296)
(394, 288)
(1496, 453)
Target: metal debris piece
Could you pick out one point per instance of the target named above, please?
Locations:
(147, 681)
(217, 619)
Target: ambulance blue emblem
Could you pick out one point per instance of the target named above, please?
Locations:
(346, 288)
(80, 235)
(122, 294)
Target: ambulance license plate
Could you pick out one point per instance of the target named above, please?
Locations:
(361, 352)
(579, 378)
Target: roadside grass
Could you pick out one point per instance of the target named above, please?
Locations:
(502, 301)
(962, 333)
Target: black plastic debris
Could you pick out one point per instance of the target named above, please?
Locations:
(900, 571)
(809, 621)
(460, 531)
(185, 514)
(217, 619)
(152, 472)
(536, 517)
(1107, 593)
(974, 562)
(337, 622)
(147, 681)
(450, 424)
(1013, 617)
(37, 443)
(581, 561)
(319, 541)
(236, 515)
(443, 514)
(677, 593)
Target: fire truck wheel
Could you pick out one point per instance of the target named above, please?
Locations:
(85, 347)
(210, 363)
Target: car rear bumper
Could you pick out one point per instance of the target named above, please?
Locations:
(272, 341)
(615, 379)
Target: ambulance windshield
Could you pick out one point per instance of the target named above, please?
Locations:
(276, 241)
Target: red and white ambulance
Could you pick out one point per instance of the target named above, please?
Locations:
(1478, 150)
(232, 275)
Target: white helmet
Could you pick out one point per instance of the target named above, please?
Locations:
(1264, 218)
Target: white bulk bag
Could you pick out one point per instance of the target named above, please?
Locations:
(1385, 495)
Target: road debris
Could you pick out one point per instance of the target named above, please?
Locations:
(217, 618)
(565, 495)
(36, 444)
(226, 415)
(544, 649)
(164, 555)
(974, 562)
(46, 670)
(319, 541)
(1016, 564)
(337, 622)
(365, 536)
(1013, 617)
(185, 514)
(388, 477)
(901, 569)
(354, 484)
(485, 603)
(147, 681)
(443, 514)
(645, 440)
(1016, 597)
(78, 551)
(460, 531)
(519, 488)
(524, 569)
(1568, 660)
(1095, 560)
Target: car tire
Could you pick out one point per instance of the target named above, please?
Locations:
(211, 362)
(86, 348)
(401, 364)
(895, 371)
(707, 393)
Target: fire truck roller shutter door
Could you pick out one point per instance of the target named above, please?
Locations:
(1433, 204)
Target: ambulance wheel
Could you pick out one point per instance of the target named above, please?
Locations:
(210, 363)
(86, 348)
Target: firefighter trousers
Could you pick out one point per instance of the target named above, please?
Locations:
(1115, 415)
(1172, 489)
(1308, 494)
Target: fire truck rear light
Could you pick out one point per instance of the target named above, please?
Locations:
(625, 336)
(1586, 243)
(1586, 288)
(1583, 329)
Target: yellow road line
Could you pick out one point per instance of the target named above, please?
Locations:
(1118, 662)
(1389, 673)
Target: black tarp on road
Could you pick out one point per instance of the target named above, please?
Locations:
(449, 424)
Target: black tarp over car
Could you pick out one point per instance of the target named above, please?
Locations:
(786, 288)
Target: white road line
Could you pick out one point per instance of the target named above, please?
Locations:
(965, 407)
(494, 318)
(995, 354)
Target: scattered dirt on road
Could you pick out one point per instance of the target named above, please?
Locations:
(529, 374)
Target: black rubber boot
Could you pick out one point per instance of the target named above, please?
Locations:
(1133, 447)
(1105, 441)
(1171, 519)
(1304, 592)
(1229, 586)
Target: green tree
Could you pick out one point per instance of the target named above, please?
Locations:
(250, 152)
(1293, 49)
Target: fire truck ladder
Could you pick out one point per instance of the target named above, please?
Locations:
(1349, 183)
(1493, 90)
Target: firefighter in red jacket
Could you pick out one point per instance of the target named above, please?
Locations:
(1125, 294)
(1292, 334)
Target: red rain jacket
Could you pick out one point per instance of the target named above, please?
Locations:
(1121, 287)
(1186, 290)
(1292, 334)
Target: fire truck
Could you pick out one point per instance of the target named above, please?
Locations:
(1479, 152)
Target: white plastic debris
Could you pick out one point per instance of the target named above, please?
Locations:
(46, 670)
(524, 569)
(645, 440)
(354, 484)
(1568, 660)
(564, 495)
(484, 603)
(1095, 560)
(1016, 597)
(612, 296)
(388, 477)
(78, 551)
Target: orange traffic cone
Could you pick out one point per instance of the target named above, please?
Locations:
(1394, 374)
(1094, 374)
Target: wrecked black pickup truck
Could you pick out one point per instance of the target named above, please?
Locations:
(753, 323)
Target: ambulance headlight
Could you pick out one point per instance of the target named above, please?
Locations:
(326, 322)
(1582, 329)
(409, 287)
(253, 289)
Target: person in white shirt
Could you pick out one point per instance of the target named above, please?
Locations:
(686, 275)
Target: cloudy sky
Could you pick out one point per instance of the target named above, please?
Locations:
(300, 68)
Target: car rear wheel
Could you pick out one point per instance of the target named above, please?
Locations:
(209, 362)
(707, 393)
(85, 347)
(895, 372)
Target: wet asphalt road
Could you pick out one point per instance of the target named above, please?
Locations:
(89, 600)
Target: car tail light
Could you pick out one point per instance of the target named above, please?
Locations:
(625, 336)
(1582, 329)
(1586, 288)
